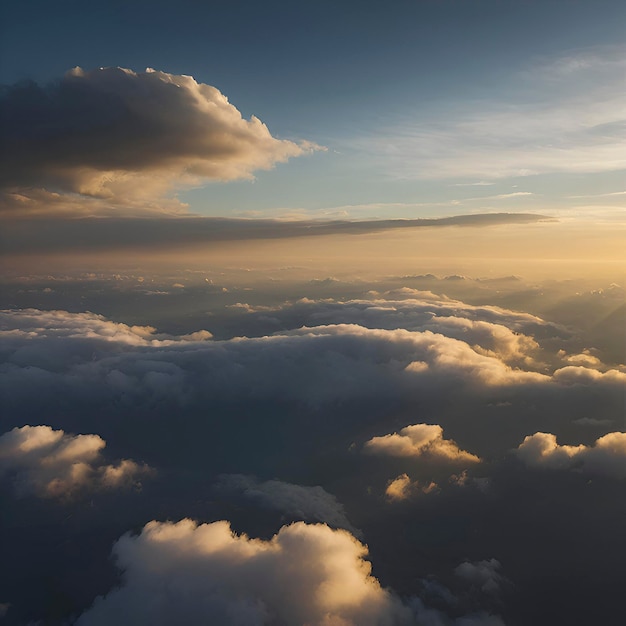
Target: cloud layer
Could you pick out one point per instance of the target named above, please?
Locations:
(217, 417)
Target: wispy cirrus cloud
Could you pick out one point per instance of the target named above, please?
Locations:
(613, 194)
(565, 116)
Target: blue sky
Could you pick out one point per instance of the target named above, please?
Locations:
(415, 102)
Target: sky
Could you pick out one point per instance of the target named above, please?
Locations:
(413, 109)
(312, 313)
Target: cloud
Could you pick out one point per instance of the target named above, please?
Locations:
(507, 196)
(50, 463)
(491, 331)
(197, 574)
(309, 504)
(402, 488)
(607, 456)
(85, 357)
(565, 122)
(96, 234)
(420, 440)
(576, 374)
(592, 421)
(60, 325)
(483, 575)
(585, 358)
(117, 135)
(118, 358)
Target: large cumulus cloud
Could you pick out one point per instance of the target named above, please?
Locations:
(50, 463)
(197, 574)
(118, 135)
(193, 573)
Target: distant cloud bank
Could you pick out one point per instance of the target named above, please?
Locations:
(95, 234)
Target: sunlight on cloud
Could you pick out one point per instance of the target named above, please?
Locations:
(607, 456)
(420, 440)
(402, 488)
(305, 574)
(139, 136)
(52, 464)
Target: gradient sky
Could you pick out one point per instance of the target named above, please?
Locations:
(404, 421)
(424, 108)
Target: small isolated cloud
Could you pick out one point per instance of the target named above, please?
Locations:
(120, 136)
(420, 440)
(50, 463)
(309, 504)
(483, 575)
(606, 457)
(184, 573)
(402, 488)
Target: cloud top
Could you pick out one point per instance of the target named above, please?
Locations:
(606, 457)
(197, 574)
(420, 440)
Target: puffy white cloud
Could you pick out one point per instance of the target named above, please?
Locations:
(607, 456)
(120, 135)
(51, 463)
(420, 440)
(184, 573)
(310, 504)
